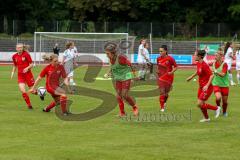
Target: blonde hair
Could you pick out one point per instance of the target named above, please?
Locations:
(49, 57)
(26, 47)
(68, 44)
(111, 47)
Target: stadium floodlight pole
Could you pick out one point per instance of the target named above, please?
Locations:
(151, 50)
(127, 47)
(35, 47)
(40, 47)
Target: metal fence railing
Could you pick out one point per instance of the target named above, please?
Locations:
(157, 29)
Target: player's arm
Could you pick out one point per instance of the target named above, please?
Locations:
(191, 77)
(108, 74)
(27, 68)
(174, 67)
(209, 82)
(13, 71)
(224, 71)
(143, 54)
(31, 90)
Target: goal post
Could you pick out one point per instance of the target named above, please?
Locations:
(86, 43)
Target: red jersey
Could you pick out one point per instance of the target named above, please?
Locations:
(53, 73)
(225, 67)
(122, 60)
(22, 60)
(204, 72)
(165, 65)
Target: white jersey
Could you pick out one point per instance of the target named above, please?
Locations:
(140, 58)
(238, 60)
(75, 49)
(229, 53)
(147, 53)
(69, 56)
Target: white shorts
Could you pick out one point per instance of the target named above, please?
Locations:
(69, 70)
(70, 74)
(238, 66)
(229, 65)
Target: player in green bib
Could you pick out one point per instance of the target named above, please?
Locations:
(220, 81)
(122, 74)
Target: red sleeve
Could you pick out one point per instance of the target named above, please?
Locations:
(28, 57)
(207, 69)
(44, 72)
(225, 68)
(14, 62)
(173, 62)
(63, 72)
(123, 60)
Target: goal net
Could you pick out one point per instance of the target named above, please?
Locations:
(90, 46)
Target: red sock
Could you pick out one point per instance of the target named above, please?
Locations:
(224, 106)
(130, 101)
(208, 106)
(63, 103)
(204, 111)
(120, 104)
(27, 99)
(50, 106)
(218, 102)
(162, 101)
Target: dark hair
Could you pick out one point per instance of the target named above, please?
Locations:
(164, 47)
(201, 53)
(226, 47)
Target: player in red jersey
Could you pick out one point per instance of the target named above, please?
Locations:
(54, 72)
(121, 71)
(166, 66)
(205, 85)
(23, 63)
(221, 81)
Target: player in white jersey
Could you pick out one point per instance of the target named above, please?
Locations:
(238, 64)
(69, 61)
(228, 51)
(149, 64)
(142, 59)
(206, 49)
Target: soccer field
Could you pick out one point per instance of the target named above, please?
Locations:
(35, 135)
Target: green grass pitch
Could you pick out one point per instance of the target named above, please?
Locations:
(34, 135)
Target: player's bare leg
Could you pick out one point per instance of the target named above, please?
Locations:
(231, 78)
(238, 77)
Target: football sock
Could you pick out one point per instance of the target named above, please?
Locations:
(120, 104)
(208, 106)
(162, 101)
(50, 106)
(224, 106)
(218, 102)
(63, 103)
(27, 99)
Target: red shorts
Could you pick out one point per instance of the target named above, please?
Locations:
(205, 95)
(51, 90)
(223, 90)
(164, 86)
(26, 78)
(123, 84)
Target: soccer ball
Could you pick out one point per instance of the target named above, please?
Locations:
(41, 92)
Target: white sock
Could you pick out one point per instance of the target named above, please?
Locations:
(231, 77)
(71, 81)
(238, 78)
